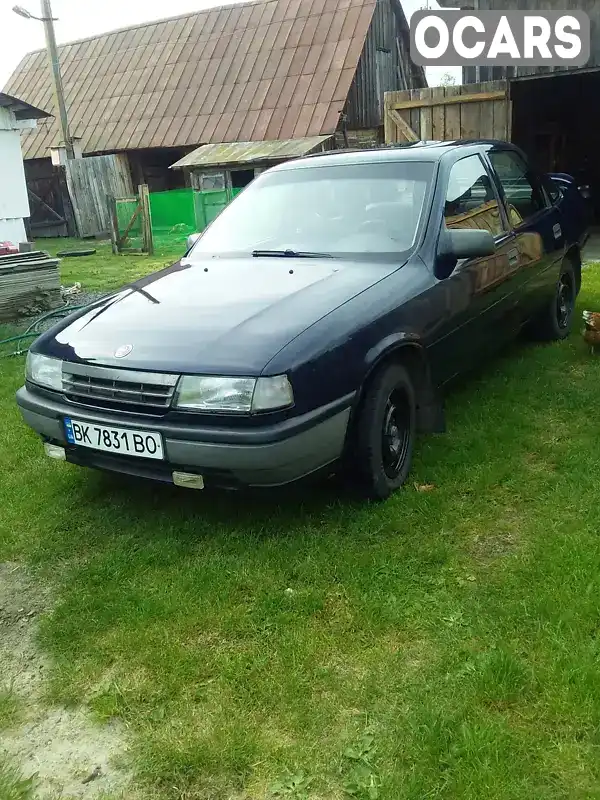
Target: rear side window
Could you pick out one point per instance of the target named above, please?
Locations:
(523, 190)
(553, 190)
(471, 200)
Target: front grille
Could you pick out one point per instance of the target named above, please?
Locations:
(127, 390)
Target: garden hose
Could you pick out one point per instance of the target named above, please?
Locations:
(32, 332)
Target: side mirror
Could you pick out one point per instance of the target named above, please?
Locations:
(191, 240)
(470, 243)
(585, 191)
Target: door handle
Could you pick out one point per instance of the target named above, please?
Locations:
(513, 257)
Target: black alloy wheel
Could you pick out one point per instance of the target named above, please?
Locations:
(565, 301)
(555, 319)
(396, 433)
(384, 433)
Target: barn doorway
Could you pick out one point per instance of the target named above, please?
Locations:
(556, 119)
(240, 178)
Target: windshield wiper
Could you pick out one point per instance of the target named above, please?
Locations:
(288, 254)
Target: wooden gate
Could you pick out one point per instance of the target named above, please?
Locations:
(131, 219)
(90, 181)
(445, 113)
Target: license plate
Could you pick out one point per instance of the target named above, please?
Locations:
(143, 444)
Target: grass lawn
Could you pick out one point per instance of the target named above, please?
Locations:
(12, 784)
(103, 271)
(445, 644)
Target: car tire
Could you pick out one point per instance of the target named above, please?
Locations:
(385, 433)
(577, 266)
(556, 318)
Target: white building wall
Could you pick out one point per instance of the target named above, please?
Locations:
(14, 202)
(12, 230)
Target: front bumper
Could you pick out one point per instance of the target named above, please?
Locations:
(270, 456)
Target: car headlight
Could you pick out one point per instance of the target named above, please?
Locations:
(241, 395)
(44, 371)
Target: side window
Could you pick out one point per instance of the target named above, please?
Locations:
(471, 200)
(553, 191)
(210, 182)
(523, 191)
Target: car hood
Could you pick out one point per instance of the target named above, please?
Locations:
(227, 316)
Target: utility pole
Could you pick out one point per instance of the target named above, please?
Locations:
(59, 94)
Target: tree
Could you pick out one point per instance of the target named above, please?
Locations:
(447, 79)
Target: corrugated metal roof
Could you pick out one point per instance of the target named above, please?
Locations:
(212, 155)
(274, 69)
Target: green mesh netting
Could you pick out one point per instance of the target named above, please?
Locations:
(175, 215)
(129, 227)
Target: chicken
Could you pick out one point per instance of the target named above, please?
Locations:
(591, 334)
(96, 773)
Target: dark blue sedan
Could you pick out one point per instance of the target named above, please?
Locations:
(315, 321)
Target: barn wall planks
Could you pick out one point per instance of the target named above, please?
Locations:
(440, 114)
(90, 181)
(591, 7)
(384, 64)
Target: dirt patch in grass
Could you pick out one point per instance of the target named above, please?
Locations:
(61, 747)
(501, 539)
(497, 544)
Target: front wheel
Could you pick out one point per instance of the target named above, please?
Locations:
(556, 318)
(385, 433)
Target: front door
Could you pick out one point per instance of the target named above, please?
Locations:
(477, 294)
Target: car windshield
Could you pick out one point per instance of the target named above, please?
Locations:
(336, 210)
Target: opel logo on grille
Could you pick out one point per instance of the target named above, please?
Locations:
(123, 351)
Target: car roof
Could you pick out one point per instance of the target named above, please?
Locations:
(430, 151)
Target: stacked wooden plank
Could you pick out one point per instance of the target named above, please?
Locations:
(29, 284)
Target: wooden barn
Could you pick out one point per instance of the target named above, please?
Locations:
(554, 114)
(266, 71)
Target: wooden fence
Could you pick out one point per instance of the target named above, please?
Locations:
(445, 113)
(91, 181)
(131, 218)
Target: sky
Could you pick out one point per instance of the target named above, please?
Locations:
(80, 18)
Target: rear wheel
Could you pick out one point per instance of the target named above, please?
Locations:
(385, 433)
(556, 318)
